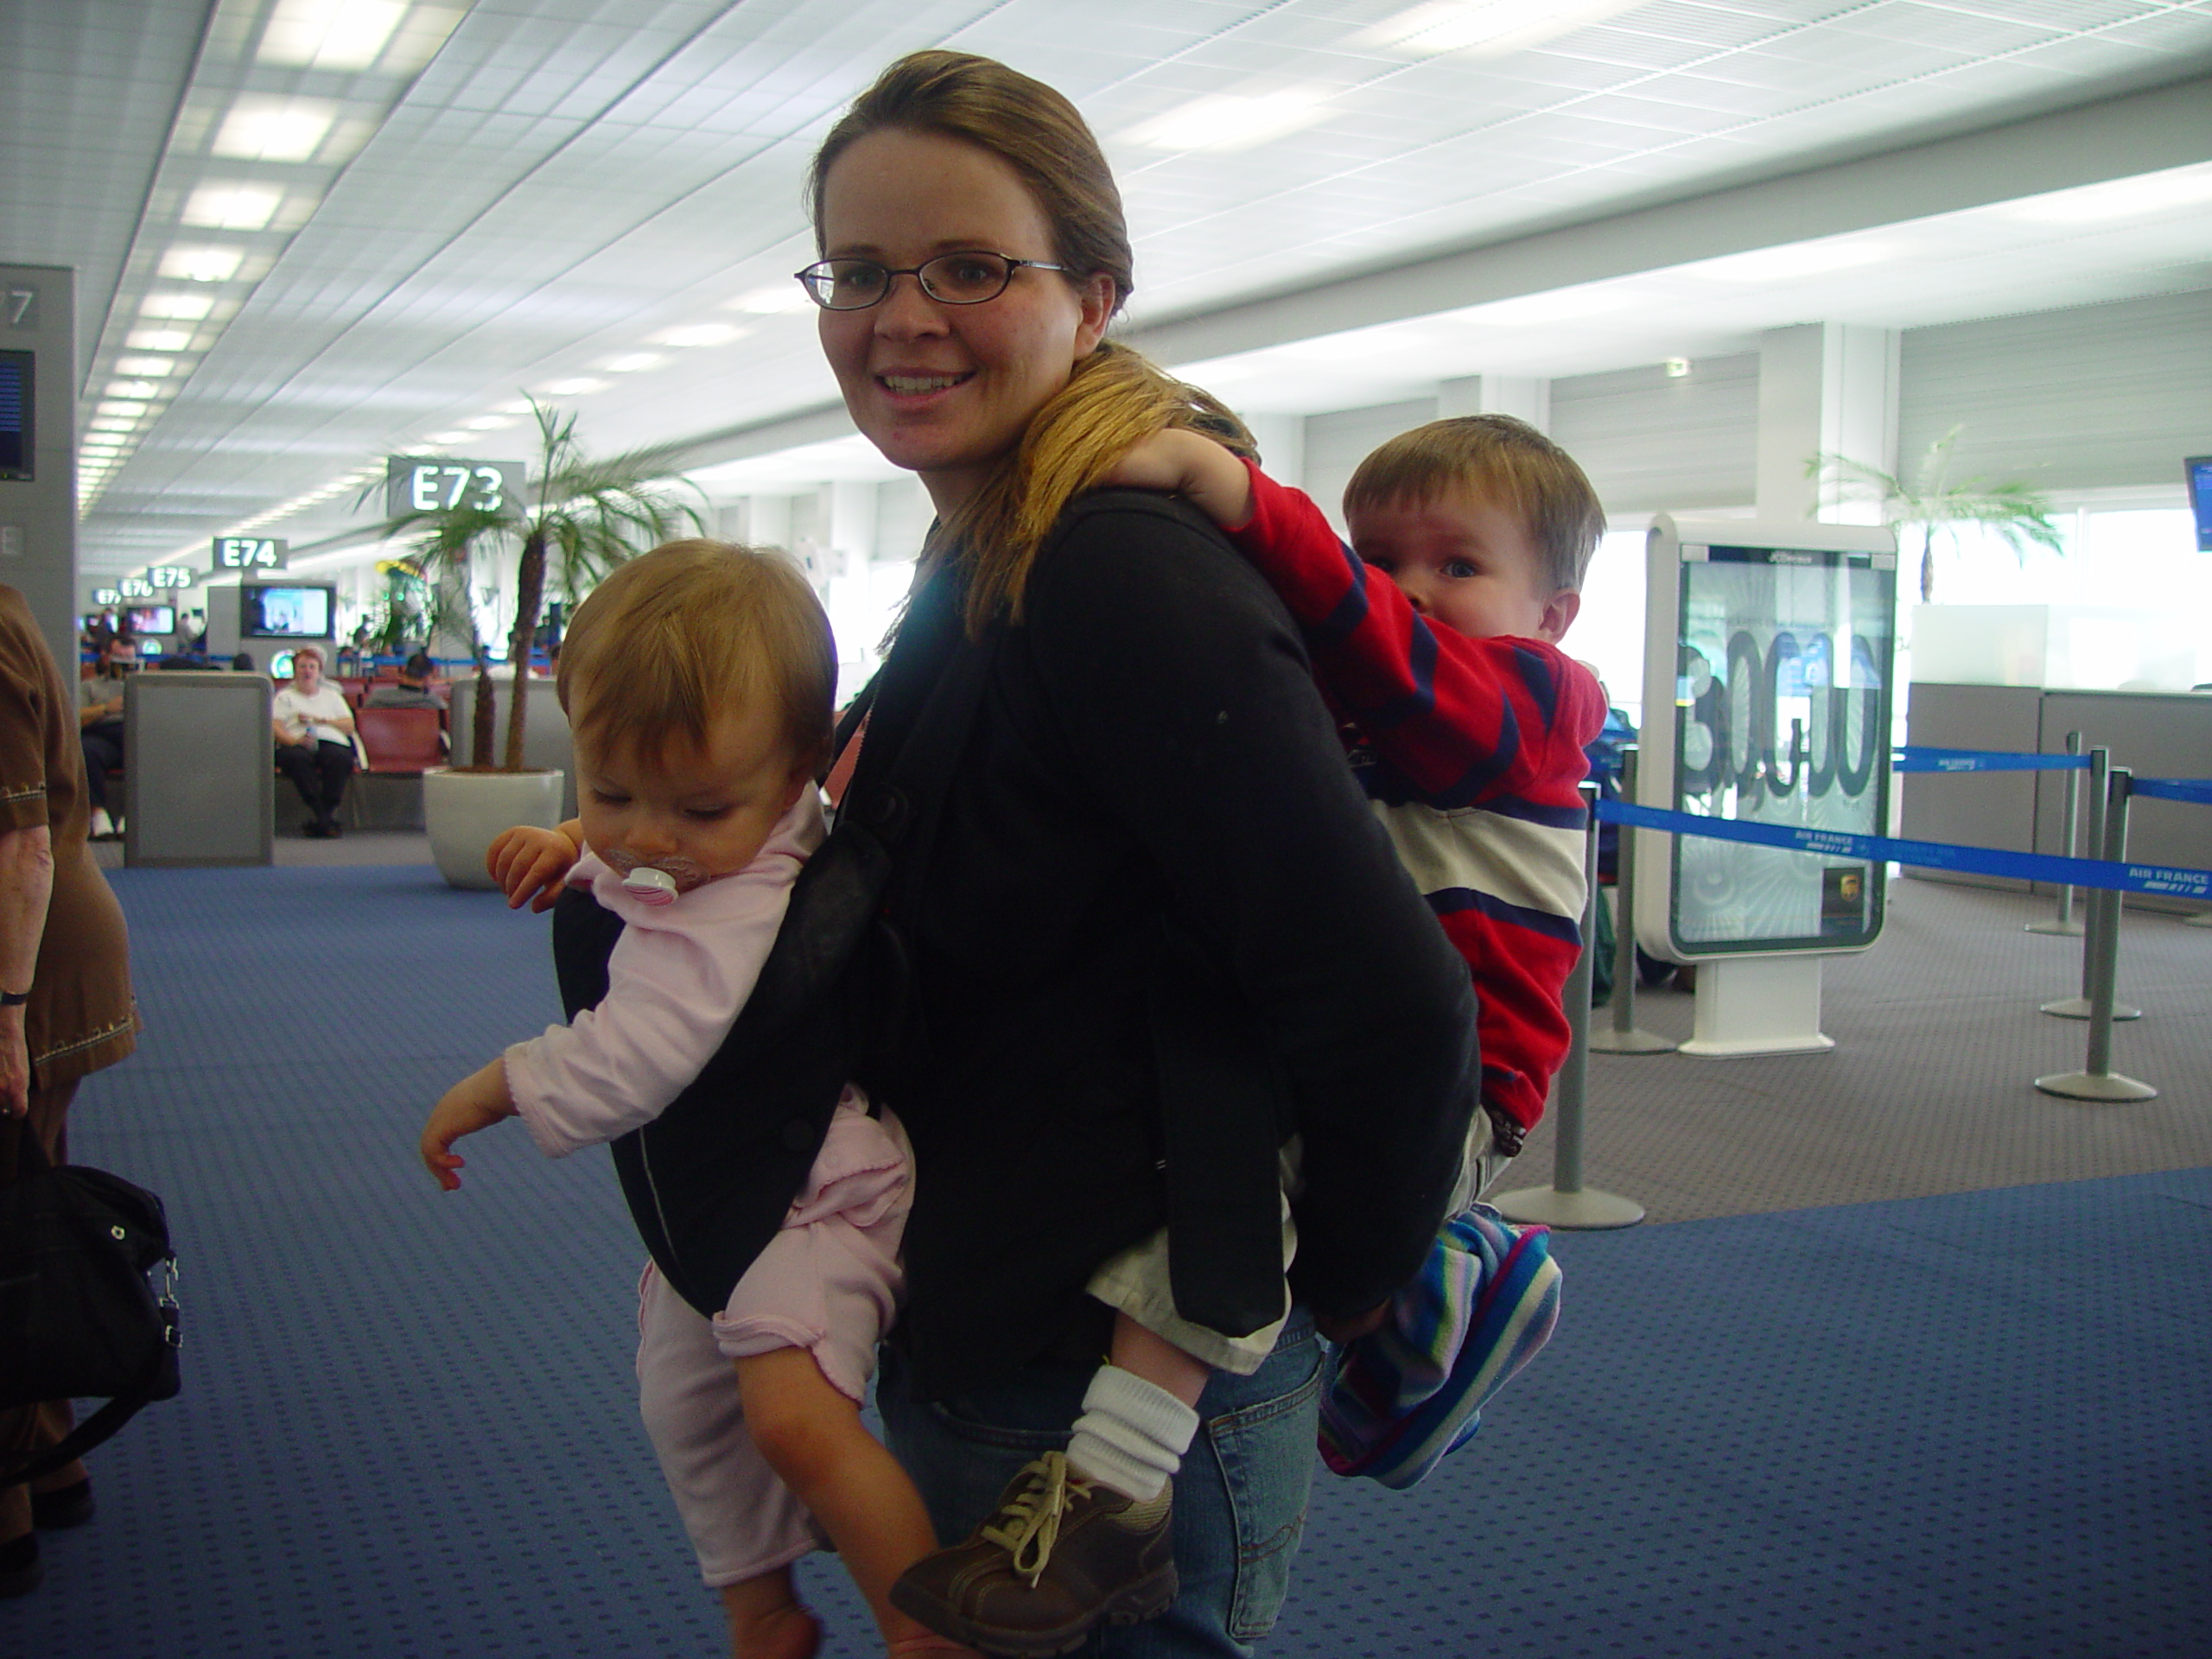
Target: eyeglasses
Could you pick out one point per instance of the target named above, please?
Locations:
(950, 279)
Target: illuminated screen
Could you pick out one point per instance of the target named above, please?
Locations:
(1782, 717)
(151, 618)
(2199, 498)
(272, 613)
(15, 450)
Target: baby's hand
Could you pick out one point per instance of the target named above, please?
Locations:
(1189, 464)
(477, 1102)
(531, 862)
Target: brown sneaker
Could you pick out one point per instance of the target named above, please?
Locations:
(1060, 1554)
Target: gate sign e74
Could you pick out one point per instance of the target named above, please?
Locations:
(416, 484)
(249, 553)
(1768, 659)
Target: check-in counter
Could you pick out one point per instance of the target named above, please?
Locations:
(2154, 733)
(198, 769)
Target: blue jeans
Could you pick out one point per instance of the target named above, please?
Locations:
(1240, 1500)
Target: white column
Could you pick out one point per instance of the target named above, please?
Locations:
(1523, 396)
(1825, 388)
(768, 520)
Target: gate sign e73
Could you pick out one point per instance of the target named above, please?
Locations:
(1767, 700)
(416, 484)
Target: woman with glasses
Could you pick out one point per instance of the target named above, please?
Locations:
(1148, 931)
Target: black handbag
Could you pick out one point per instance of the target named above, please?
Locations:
(80, 1315)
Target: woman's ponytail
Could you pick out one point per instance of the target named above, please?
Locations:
(1114, 399)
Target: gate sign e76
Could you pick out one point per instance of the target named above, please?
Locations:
(417, 484)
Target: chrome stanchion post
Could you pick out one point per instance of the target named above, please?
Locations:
(2078, 1008)
(1624, 1038)
(1566, 1201)
(2063, 923)
(2097, 1080)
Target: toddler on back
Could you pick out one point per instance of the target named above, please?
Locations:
(1437, 644)
(698, 682)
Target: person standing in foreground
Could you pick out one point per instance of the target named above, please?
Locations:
(66, 1009)
(1122, 999)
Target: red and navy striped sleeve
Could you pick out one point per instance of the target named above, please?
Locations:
(1473, 751)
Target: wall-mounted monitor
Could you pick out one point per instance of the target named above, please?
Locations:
(16, 398)
(291, 611)
(149, 618)
(2199, 468)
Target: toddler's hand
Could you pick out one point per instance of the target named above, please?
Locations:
(477, 1102)
(1192, 465)
(531, 862)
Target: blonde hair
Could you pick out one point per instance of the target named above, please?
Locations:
(1492, 455)
(1115, 396)
(691, 628)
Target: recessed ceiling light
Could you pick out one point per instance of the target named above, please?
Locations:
(110, 423)
(704, 333)
(132, 388)
(631, 362)
(1784, 264)
(520, 406)
(155, 367)
(330, 34)
(188, 307)
(448, 437)
(582, 386)
(124, 407)
(158, 339)
(489, 423)
(1558, 306)
(2121, 199)
(1486, 28)
(233, 206)
(201, 265)
(1232, 121)
(769, 301)
(276, 129)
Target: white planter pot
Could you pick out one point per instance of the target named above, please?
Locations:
(465, 811)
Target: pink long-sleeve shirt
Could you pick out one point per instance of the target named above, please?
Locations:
(676, 981)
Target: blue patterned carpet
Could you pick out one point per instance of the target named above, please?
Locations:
(1971, 1425)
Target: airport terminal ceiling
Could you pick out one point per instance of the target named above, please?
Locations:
(310, 233)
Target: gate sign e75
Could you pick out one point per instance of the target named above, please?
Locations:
(419, 484)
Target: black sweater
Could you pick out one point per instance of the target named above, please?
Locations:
(1157, 924)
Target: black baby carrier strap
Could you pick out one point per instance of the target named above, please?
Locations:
(709, 1180)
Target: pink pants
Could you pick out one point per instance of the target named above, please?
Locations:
(829, 1282)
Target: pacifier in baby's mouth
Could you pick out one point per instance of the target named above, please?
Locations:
(649, 886)
(656, 883)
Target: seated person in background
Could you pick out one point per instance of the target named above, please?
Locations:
(315, 742)
(243, 663)
(100, 727)
(413, 688)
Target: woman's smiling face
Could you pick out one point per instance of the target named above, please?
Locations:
(948, 389)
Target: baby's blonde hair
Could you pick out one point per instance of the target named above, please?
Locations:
(693, 628)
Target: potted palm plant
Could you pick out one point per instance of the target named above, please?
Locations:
(2019, 515)
(578, 518)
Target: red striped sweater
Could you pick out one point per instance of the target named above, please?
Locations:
(1471, 751)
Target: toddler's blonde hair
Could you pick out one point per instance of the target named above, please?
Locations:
(691, 629)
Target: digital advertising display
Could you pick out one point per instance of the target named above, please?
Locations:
(15, 399)
(267, 612)
(1779, 713)
(2198, 470)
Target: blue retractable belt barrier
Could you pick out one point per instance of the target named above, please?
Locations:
(2130, 877)
(1922, 758)
(2198, 789)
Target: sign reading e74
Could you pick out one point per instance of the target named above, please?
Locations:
(419, 484)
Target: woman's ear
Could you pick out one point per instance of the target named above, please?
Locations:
(1095, 295)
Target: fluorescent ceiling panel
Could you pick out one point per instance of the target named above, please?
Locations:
(330, 34)
(275, 129)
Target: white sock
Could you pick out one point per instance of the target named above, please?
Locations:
(99, 824)
(1132, 1434)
